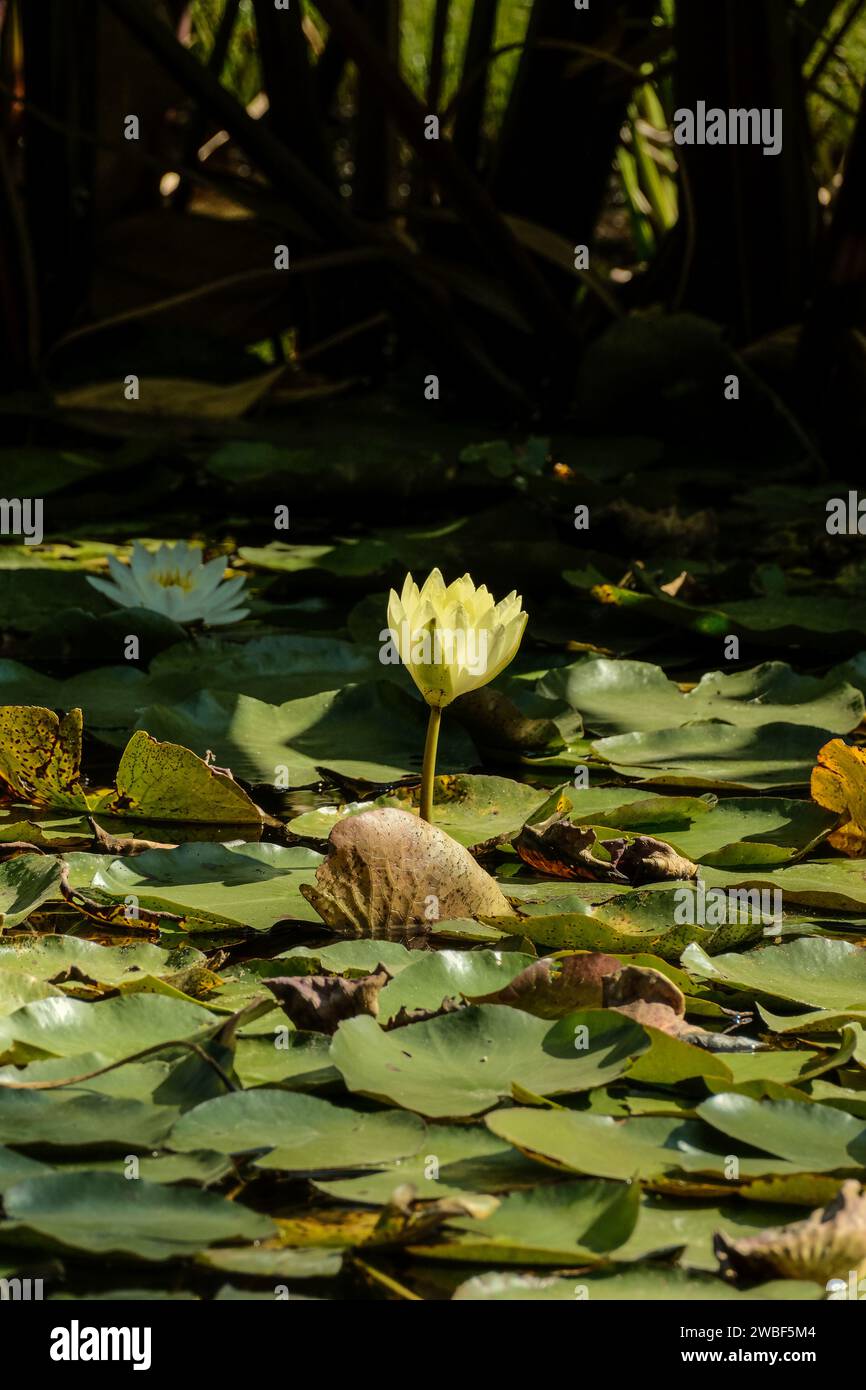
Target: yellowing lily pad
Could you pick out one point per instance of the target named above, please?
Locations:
(40, 756)
(165, 782)
(839, 784)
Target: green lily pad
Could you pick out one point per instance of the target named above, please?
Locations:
(665, 1225)
(462, 1063)
(28, 594)
(163, 781)
(633, 921)
(553, 1224)
(354, 957)
(70, 1118)
(48, 956)
(707, 754)
(15, 1168)
(812, 970)
(349, 558)
(836, 884)
(643, 1147)
(289, 744)
(619, 697)
(302, 1132)
(40, 756)
(113, 1027)
(26, 882)
(470, 809)
(455, 1161)
(273, 668)
(435, 976)
(209, 885)
(201, 1168)
(817, 1138)
(106, 1213)
(110, 697)
(18, 988)
(303, 1063)
(733, 833)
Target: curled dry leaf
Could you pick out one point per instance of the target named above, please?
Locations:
(557, 847)
(104, 843)
(839, 784)
(828, 1245)
(640, 983)
(647, 860)
(318, 1003)
(557, 985)
(652, 1014)
(387, 872)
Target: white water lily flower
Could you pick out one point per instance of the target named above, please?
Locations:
(172, 580)
(453, 638)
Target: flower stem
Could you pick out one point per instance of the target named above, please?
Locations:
(428, 770)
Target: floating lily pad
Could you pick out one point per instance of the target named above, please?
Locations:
(40, 756)
(105, 1213)
(643, 1147)
(813, 970)
(552, 1224)
(70, 1119)
(435, 976)
(274, 668)
(113, 1027)
(15, 1167)
(48, 957)
(109, 697)
(26, 882)
(259, 1262)
(817, 1138)
(209, 885)
(836, 884)
(302, 1132)
(290, 744)
(618, 697)
(655, 920)
(707, 754)
(158, 781)
(462, 1063)
(665, 1225)
(731, 833)
(472, 810)
(302, 1063)
(455, 1160)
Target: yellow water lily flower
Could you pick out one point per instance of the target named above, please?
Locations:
(452, 638)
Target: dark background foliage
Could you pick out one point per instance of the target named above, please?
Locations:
(306, 127)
